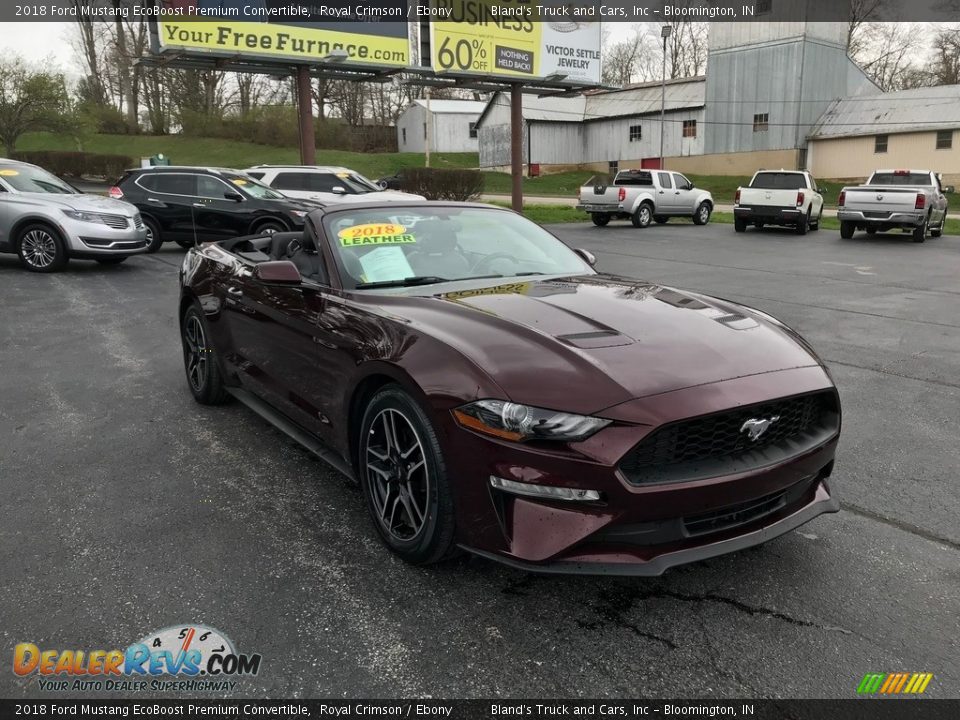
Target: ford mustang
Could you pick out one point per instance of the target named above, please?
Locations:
(491, 392)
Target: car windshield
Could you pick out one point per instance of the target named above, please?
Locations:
(29, 179)
(900, 178)
(779, 181)
(253, 188)
(358, 183)
(424, 246)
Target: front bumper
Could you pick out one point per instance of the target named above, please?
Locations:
(903, 219)
(91, 240)
(767, 214)
(635, 529)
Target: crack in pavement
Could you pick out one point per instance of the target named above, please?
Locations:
(900, 525)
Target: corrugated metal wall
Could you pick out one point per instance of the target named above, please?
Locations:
(451, 131)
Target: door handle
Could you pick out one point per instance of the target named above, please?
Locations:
(235, 291)
(661, 192)
(677, 192)
(154, 200)
(199, 205)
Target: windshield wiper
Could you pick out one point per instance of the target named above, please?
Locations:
(529, 273)
(405, 282)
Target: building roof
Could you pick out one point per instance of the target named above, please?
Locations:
(642, 99)
(460, 107)
(927, 108)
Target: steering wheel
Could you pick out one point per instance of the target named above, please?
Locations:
(490, 258)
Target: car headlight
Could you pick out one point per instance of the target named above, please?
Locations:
(83, 216)
(511, 421)
(298, 213)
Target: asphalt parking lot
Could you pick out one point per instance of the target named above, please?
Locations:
(127, 508)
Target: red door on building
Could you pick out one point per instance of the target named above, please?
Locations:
(650, 163)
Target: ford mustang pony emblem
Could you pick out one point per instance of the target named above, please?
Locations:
(756, 428)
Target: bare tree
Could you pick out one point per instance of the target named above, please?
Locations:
(888, 53)
(861, 13)
(626, 61)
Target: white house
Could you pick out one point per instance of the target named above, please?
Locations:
(454, 124)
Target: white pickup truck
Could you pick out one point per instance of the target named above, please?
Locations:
(644, 196)
(779, 197)
(910, 200)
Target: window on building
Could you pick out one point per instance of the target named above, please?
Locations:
(613, 167)
(761, 122)
(473, 130)
(636, 133)
(690, 128)
(404, 133)
(880, 144)
(944, 139)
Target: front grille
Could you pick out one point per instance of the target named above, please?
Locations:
(734, 516)
(720, 444)
(117, 222)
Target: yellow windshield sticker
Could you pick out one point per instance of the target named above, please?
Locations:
(375, 234)
(343, 175)
(520, 288)
(9, 173)
(239, 181)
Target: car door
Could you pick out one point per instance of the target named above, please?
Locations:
(666, 201)
(817, 204)
(684, 194)
(6, 217)
(217, 216)
(169, 198)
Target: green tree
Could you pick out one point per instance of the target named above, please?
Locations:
(30, 100)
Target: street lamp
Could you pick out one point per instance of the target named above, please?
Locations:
(664, 33)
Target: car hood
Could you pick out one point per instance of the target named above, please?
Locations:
(379, 196)
(85, 202)
(589, 342)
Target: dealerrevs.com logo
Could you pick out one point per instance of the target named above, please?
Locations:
(199, 657)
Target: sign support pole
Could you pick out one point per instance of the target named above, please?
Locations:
(308, 140)
(516, 145)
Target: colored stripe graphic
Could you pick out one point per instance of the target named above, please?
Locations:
(894, 683)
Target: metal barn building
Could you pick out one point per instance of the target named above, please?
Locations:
(907, 129)
(453, 125)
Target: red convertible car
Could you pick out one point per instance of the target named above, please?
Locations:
(492, 392)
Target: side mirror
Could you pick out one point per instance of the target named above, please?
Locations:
(588, 257)
(690, 186)
(949, 189)
(338, 190)
(282, 272)
(235, 196)
(382, 185)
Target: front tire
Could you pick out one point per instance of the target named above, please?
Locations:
(404, 478)
(642, 217)
(702, 215)
(200, 360)
(41, 249)
(600, 219)
(269, 227)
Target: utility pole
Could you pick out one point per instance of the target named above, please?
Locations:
(516, 146)
(308, 140)
(664, 33)
(429, 126)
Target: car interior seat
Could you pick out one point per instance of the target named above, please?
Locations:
(302, 252)
(436, 252)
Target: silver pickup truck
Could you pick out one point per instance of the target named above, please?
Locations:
(910, 200)
(644, 196)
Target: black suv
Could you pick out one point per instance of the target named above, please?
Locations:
(188, 204)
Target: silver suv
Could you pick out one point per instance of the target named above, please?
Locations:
(46, 221)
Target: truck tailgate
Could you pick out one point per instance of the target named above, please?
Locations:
(879, 201)
(600, 196)
(768, 197)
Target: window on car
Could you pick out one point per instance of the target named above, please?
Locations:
(689, 128)
(256, 174)
(900, 177)
(761, 122)
(29, 179)
(473, 129)
(636, 133)
(681, 182)
(170, 183)
(779, 181)
(944, 139)
(211, 187)
(880, 143)
(250, 187)
(634, 178)
(291, 181)
(377, 245)
(665, 181)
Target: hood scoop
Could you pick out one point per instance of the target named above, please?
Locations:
(597, 339)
